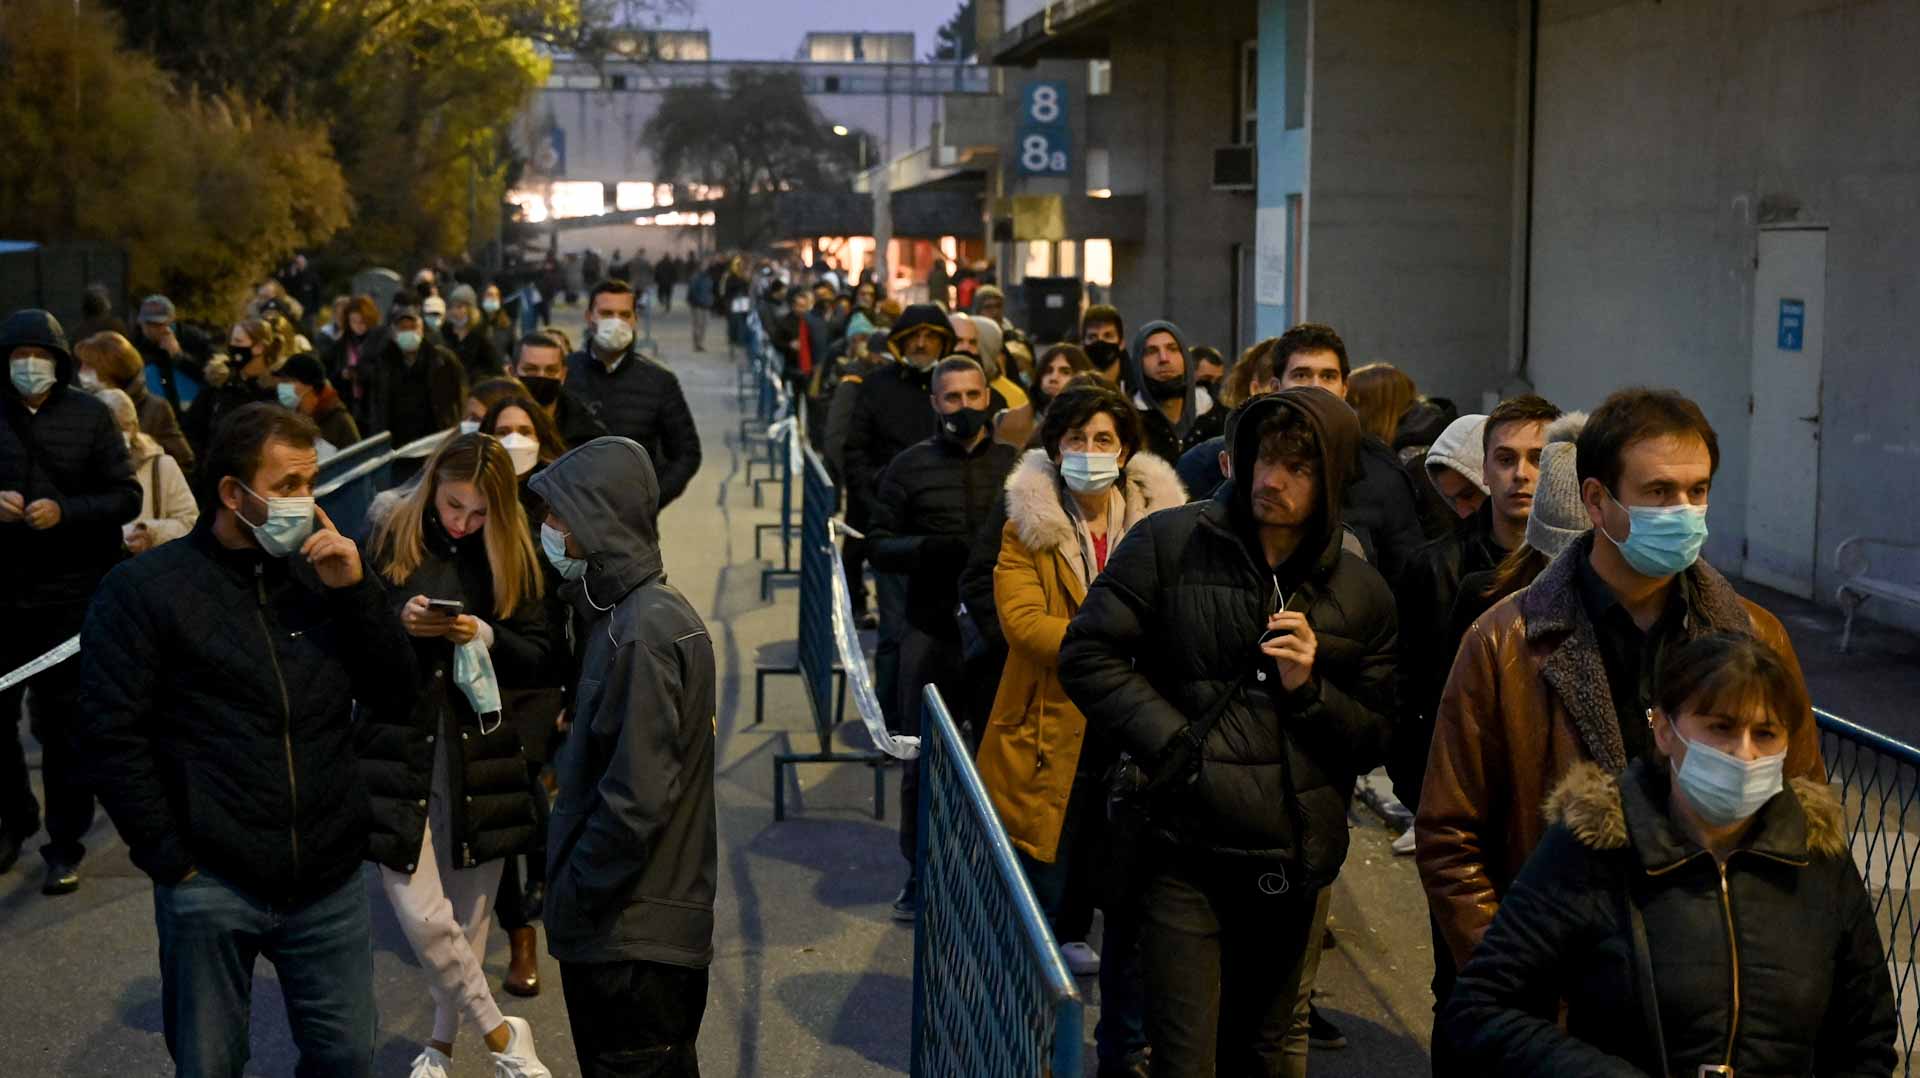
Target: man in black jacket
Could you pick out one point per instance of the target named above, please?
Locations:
(65, 489)
(178, 353)
(1174, 415)
(218, 677)
(633, 393)
(632, 845)
(465, 333)
(933, 501)
(1244, 614)
(419, 387)
(541, 365)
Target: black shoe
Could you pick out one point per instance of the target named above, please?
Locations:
(61, 879)
(9, 849)
(906, 908)
(1323, 1034)
(533, 900)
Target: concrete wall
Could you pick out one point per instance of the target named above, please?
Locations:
(1661, 129)
(1174, 79)
(1409, 211)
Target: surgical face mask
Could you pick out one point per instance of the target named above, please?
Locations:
(459, 318)
(89, 381)
(473, 673)
(432, 321)
(1661, 539)
(490, 305)
(522, 450)
(961, 426)
(408, 340)
(32, 375)
(289, 395)
(468, 426)
(1725, 789)
(1089, 473)
(612, 335)
(289, 522)
(553, 543)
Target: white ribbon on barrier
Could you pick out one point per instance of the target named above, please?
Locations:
(846, 638)
(51, 659)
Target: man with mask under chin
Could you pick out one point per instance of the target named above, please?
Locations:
(933, 501)
(1174, 415)
(218, 679)
(632, 393)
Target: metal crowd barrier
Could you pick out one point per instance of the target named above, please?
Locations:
(1879, 781)
(991, 995)
(817, 664)
(789, 461)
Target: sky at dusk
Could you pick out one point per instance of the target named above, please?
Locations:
(773, 29)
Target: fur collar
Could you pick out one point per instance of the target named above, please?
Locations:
(1589, 802)
(1035, 507)
(1552, 613)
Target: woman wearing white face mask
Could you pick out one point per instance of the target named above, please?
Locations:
(1696, 914)
(1068, 505)
(443, 769)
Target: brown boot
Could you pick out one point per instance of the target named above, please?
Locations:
(523, 970)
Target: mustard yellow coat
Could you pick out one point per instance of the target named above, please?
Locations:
(1031, 747)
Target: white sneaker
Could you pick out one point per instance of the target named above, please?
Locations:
(1082, 960)
(1403, 846)
(518, 1061)
(431, 1063)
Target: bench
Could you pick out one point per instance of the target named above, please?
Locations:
(1862, 577)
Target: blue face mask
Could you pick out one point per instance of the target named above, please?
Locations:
(408, 340)
(1725, 789)
(289, 522)
(473, 672)
(1662, 540)
(553, 543)
(289, 395)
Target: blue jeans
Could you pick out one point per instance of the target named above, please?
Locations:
(209, 936)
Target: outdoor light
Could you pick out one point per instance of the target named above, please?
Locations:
(840, 129)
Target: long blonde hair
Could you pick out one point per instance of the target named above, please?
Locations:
(398, 543)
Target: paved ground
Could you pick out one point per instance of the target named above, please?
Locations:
(812, 979)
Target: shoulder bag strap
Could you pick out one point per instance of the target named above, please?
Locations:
(1643, 978)
(153, 487)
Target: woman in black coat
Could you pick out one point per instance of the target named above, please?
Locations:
(447, 776)
(1694, 913)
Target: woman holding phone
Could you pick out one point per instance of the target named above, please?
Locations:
(446, 774)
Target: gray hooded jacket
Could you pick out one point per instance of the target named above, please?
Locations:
(632, 853)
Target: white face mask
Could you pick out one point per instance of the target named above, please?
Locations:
(489, 305)
(524, 451)
(468, 426)
(32, 375)
(612, 335)
(89, 381)
(1723, 788)
(1089, 473)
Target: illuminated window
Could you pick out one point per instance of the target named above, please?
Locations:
(577, 198)
(1066, 252)
(1099, 259)
(1099, 78)
(532, 204)
(633, 195)
(1099, 172)
(663, 195)
(1039, 262)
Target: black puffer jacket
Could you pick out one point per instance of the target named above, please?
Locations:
(492, 809)
(1176, 620)
(892, 409)
(1769, 962)
(69, 451)
(217, 691)
(439, 388)
(934, 500)
(641, 400)
(1383, 509)
(479, 356)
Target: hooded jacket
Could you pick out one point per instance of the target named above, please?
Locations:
(1176, 620)
(70, 451)
(632, 847)
(1200, 419)
(1769, 962)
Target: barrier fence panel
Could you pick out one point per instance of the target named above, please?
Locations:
(788, 459)
(1879, 780)
(991, 995)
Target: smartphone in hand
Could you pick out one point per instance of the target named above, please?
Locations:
(451, 608)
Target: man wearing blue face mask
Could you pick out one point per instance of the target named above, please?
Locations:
(217, 682)
(418, 386)
(1562, 673)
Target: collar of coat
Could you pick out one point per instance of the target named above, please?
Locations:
(1609, 812)
(1554, 617)
(1036, 504)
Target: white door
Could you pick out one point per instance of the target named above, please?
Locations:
(1789, 336)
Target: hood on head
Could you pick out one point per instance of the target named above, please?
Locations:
(991, 339)
(39, 328)
(607, 492)
(1462, 447)
(1338, 431)
(920, 315)
(1137, 374)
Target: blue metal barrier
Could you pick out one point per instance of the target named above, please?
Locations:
(353, 456)
(1879, 780)
(991, 995)
(817, 662)
(789, 461)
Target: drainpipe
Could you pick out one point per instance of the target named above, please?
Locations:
(1520, 320)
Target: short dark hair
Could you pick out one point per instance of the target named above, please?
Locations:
(241, 439)
(1635, 415)
(1101, 314)
(1076, 405)
(1722, 672)
(305, 368)
(610, 286)
(1526, 408)
(536, 340)
(1287, 435)
(1206, 353)
(1309, 337)
(956, 365)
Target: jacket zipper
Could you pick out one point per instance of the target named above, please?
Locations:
(286, 714)
(1733, 948)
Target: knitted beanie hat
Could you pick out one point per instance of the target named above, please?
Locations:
(1558, 517)
(1462, 447)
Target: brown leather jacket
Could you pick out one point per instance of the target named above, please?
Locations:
(1527, 701)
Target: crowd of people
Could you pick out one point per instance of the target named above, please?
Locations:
(1180, 601)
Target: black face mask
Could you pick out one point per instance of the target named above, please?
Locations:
(1104, 354)
(960, 427)
(239, 357)
(544, 391)
(1170, 389)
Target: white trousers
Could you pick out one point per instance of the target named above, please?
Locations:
(444, 911)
